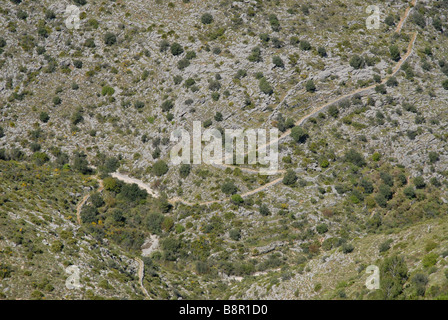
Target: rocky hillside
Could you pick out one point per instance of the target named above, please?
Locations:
(85, 172)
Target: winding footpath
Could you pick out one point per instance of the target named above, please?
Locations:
(141, 273)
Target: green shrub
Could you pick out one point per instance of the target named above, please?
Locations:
(183, 63)
(235, 234)
(324, 163)
(277, 43)
(381, 89)
(381, 200)
(430, 260)
(376, 157)
(393, 276)
(294, 40)
(132, 192)
(77, 64)
(184, 170)
(264, 37)
(139, 104)
(322, 228)
(385, 246)
(392, 82)
(179, 228)
(322, 52)
(390, 21)
(409, 192)
(107, 91)
(236, 199)
(77, 118)
(275, 23)
(445, 84)
(310, 86)
(214, 85)
(305, 45)
(176, 49)
(167, 224)
(57, 100)
(190, 55)
(97, 200)
(229, 188)
(347, 248)
(387, 178)
(160, 168)
(5, 271)
(167, 105)
(419, 182)
(44, 117)
(357, 62)
(255, 55)
(290, 178)
(418, 19)
(433, 157)
(170, 247)
(36, 294)
(367, 185)
(89, 214)
(385, 191)
(40, 158)
(177, 79)
(240, 74)
(154, 222)
(299, 134)
(354, 157)
(278, 62)
(394, 53)
(333, 111)
(93, 23)
(265, 87)
(80, 162)
(207, 18)
(264, 210)
(164, 45)
(218, 116)
(110, 38)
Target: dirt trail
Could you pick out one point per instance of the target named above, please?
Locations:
(79, 207)
(405, 16)
(141, 273)
(141, 184)
(263, 187)
(225, 166)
